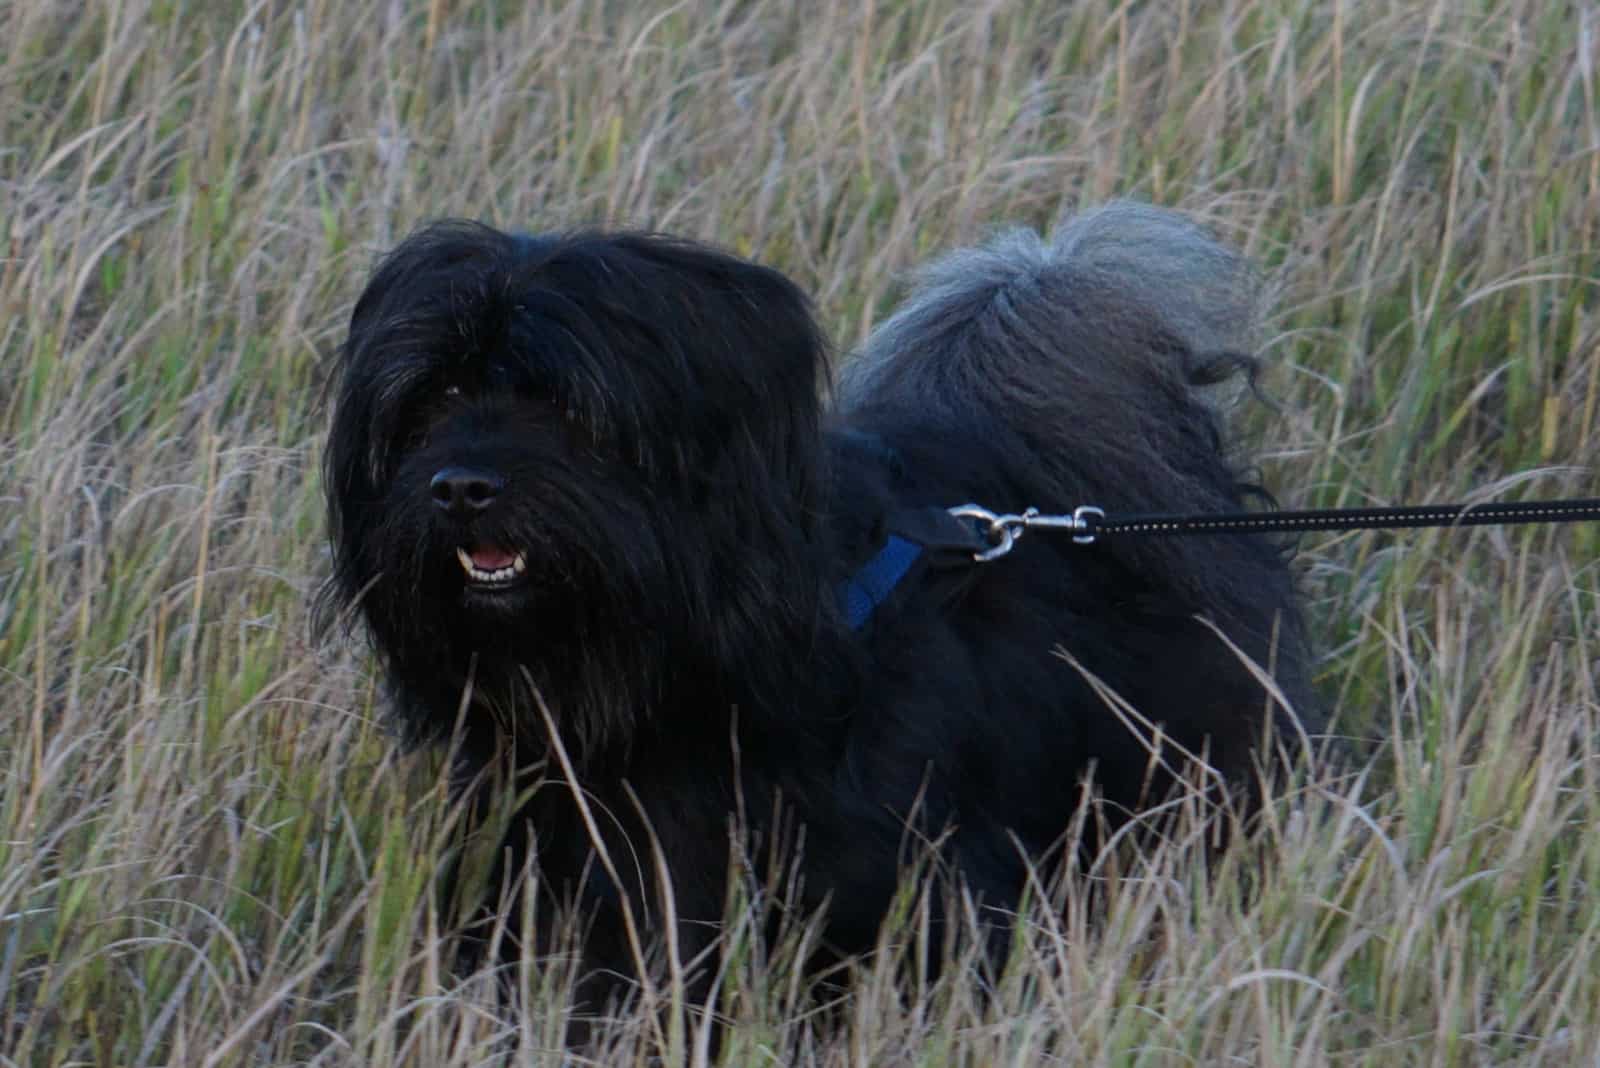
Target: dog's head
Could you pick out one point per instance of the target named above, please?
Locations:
(545, 446)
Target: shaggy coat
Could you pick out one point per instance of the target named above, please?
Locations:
(589, 489)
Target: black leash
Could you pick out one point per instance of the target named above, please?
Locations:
(923, 538)
(1087, 524)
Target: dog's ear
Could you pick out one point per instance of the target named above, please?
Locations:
(699, 357)
(756, 354)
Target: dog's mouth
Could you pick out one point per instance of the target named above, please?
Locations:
(492, 567)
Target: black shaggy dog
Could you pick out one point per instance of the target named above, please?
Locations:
(601, 525)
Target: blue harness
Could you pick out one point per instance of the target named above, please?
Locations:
(864, 591)
(927, 537)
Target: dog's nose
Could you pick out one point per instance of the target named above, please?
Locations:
(463, 491)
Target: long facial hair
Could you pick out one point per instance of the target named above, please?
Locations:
(651, 408)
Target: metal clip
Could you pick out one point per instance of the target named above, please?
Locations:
(1004, 530)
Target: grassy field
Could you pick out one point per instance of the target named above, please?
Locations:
(210, 853)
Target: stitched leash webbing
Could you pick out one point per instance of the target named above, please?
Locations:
(1410, 516)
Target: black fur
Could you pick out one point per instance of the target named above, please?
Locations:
(642, 417)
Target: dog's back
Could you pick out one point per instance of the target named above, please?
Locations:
(1092, 368)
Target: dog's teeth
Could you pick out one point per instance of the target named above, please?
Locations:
(518, 565)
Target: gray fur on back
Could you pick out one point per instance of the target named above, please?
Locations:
(1126, 270)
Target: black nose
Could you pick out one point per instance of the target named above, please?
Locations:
(464, 491)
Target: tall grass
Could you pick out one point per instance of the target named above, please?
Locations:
(210, 853)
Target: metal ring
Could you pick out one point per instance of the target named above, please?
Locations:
(1078, 514)
(1008, 538)
(1001, 530)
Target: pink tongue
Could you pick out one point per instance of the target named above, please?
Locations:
(491, 558)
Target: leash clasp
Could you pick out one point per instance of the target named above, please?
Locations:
(1003, 530)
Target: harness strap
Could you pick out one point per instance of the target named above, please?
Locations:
(864, 591)
(916, 540)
